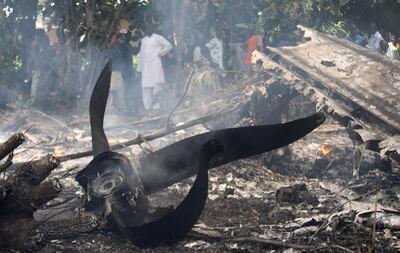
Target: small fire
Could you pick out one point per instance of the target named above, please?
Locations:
(325, 150)
(58, 151)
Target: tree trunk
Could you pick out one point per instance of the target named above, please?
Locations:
(89, 18)
(73, 58)
(180, 47)
(2, 17)
(26, 25)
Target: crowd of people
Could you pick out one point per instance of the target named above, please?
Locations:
(212, 56)
(379, 41)
(154, 51)
(143, 60)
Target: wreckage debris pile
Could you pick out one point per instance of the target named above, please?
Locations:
(300, 198)
(252, 207)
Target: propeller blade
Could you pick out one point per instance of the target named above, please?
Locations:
(175, 162)
(175, 225)
(97, 108)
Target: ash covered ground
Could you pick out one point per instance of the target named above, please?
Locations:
(301, 198)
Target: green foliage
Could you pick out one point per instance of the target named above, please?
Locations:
(275, 17)
(338, 29)
(326, 17)
(16, 32)
(75, 16)
(76, 29)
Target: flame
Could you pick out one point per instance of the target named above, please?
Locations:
(57, 151)
(325, 150)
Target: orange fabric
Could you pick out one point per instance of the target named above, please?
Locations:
(114, 40)
(251, 47)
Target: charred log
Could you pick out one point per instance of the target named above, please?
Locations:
(32, 173)
(21, 195)
(7, 164)
(12, 143)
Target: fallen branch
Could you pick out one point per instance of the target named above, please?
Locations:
(44, 192)
(21, 195)
(276, 243)
(154, 135)
(12, 143)
(34, 172)
(336, 246)
(7, 164)
(179, 113)
(44, 166)
(52, 118)
(188, 81)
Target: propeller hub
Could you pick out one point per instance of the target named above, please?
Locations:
(107, 183)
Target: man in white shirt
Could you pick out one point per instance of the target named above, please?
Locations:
(376, 38)
(216, 49)
(153, 47)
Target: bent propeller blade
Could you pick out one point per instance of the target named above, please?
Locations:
(176, 224)
(97, 108)
(175, 162)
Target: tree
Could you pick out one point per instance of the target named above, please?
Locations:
(83, 28)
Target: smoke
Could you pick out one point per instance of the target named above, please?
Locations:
(63, 65)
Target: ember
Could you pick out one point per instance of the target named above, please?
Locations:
(58, 151)
(325, 150)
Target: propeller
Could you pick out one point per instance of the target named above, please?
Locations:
(172, 227)
(97, 108)
(173, 163)
(113, 185)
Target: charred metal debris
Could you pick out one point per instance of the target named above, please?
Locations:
(119, 190)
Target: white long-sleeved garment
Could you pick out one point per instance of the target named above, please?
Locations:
(374, 42)
(216, 51)
(151, 50)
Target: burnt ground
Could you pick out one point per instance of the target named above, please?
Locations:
(295, 199)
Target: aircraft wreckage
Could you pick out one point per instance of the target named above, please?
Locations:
(119, 190)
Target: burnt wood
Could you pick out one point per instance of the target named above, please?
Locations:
(12, 143)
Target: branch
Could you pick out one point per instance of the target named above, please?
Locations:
(44, 192)
(276, 243)
(12, 143)
(33, 173)
(154, 135)
(44, 167)
(7, 164)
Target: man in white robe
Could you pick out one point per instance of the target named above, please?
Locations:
(216, 48)
(376, 38)
(153, 47)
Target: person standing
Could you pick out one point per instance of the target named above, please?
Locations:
(238, 53)
(376, 38)
(124, 87)
(153, 47)
(216, 48)
(117, 82)
(355, 35)
(393, 51)
(255, 42)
